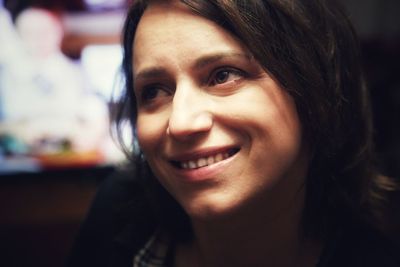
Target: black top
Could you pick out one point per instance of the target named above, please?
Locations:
(107, 239)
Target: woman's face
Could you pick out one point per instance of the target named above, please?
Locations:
(217, 130)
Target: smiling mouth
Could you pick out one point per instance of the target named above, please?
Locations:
(205, 161)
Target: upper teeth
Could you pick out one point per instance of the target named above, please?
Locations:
(205, 161)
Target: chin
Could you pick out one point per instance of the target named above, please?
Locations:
(211, 209)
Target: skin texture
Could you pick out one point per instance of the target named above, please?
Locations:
(201, 93)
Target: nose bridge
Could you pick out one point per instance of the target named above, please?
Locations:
(189, 112)
(184, 95)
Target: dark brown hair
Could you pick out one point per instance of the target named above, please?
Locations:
(310, 48)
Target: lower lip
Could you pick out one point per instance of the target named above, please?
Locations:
(205, 173)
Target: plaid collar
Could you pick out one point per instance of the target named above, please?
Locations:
(154, 253)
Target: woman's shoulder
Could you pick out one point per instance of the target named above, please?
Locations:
(118, 223)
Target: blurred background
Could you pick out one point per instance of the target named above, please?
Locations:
(59, 76)
(59, 72)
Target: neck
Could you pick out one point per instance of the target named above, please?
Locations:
(258, 236)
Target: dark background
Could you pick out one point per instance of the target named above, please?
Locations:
(378, 25)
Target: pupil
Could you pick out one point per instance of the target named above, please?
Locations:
(222, 76)
(150, 93)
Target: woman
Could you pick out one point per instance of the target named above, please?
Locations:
(255, 137)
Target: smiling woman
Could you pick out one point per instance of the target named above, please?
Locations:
(254, 130)
(211, 151)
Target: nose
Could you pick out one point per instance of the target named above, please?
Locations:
(190, 114)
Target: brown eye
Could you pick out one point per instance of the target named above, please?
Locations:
(226, 75)
(151, 93)
(221, 76)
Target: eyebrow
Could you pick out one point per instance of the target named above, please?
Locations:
(152, 72)
(156, 72)
(212, 58)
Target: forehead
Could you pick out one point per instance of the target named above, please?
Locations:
(167, 29)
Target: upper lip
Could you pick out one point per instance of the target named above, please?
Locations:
(201, 153)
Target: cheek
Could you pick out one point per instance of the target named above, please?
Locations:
(288, 120)
(274, 125)
(287, 136)
(284, 127)
(150, 131)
